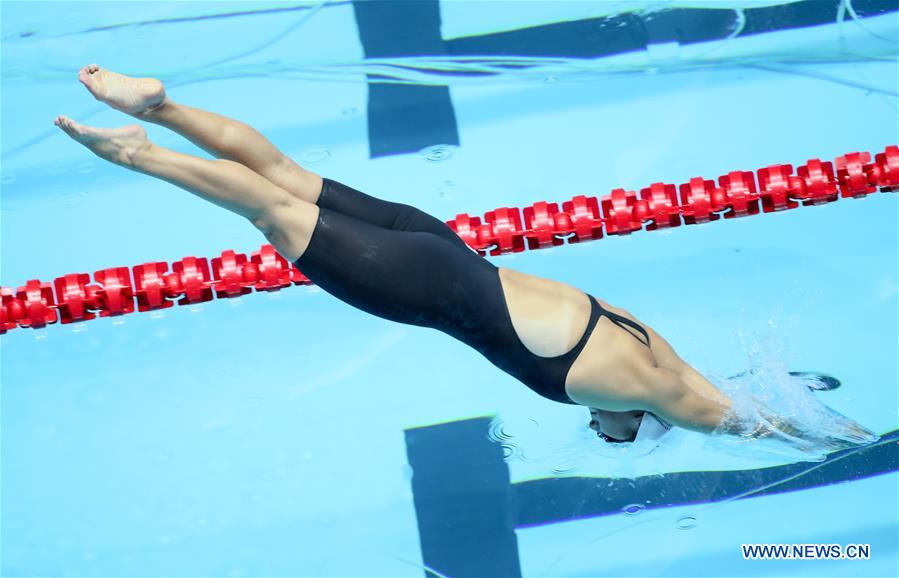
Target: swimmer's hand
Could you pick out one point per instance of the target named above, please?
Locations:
(835, 432)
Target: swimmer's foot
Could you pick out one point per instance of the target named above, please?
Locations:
(121, 146)
(134, 96)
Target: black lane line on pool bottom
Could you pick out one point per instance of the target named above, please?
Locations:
(407, 118)
(468, 511)
(404, 118)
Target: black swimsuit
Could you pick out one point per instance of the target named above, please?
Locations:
(399, 263)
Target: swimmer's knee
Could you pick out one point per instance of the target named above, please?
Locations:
(286, 216)
(289, 227)
(273, 210)
(299, 182)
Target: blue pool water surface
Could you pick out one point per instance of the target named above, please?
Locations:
(286, 434)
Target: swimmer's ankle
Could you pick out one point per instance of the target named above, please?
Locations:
(156, 112)
(136, 156)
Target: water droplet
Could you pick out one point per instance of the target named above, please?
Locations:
(349, 111)
(550, 79)
(437, 153)
(313, 156)
(85, 168)
(652, 71)
(8, 178)
(686, 523)
(27, 33)
(633, 509)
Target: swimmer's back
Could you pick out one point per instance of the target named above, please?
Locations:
(549, 317)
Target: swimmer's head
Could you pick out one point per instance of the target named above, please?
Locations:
(615, 426)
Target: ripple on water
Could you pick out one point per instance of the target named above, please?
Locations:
(73, 198)
(686, 523)
(313, 156)
(563, 468)
(497, 432)
(437, 153)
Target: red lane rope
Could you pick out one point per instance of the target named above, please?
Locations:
(150, 286)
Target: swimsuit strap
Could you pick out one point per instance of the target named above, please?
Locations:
(621, 321)
(596, 312)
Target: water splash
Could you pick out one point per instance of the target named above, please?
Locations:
(777, 413)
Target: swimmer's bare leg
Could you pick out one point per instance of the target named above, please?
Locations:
(286, 221)
(223, 137)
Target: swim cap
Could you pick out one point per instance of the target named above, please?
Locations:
(651, 429)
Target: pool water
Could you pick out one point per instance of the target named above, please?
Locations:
(286, 434)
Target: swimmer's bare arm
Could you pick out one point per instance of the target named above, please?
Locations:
(704, 392)
(676, 392)
(667, 394)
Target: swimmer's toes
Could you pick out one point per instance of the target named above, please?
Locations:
(134, 96)
(117, 145)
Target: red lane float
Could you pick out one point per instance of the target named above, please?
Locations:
(152, 286)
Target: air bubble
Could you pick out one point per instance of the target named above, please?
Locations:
(437, 153)
(550, 79)
(349, 111)
(686, 523)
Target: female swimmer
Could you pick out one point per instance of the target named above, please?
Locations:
(397, 262)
